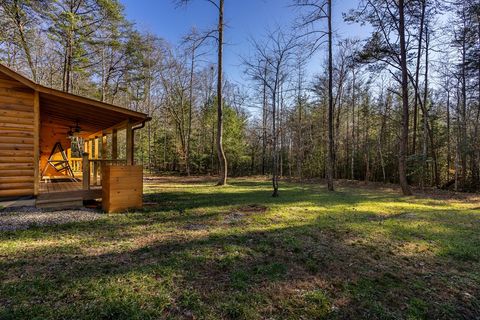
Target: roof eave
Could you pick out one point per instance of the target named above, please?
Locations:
(69, 96)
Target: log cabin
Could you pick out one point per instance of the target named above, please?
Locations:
(61, 149)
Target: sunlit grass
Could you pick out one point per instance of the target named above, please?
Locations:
(235, 252)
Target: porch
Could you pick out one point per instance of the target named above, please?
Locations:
(57, 145)
(77, 142)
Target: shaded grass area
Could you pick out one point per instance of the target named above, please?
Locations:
(204, 252)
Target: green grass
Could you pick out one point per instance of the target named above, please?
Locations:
(234, 252)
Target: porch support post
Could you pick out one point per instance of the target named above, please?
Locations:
(93, 147)
(103, 155)
(69, 157)
(85, 171)
(97, 148)
(129, 144)
(90, 148)
(104, 146)
(114, 144)
(97, 164)
(36, 142)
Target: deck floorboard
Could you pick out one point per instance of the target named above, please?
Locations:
(67, 189)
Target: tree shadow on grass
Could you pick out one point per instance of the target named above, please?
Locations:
(330, 263)
(240, 273)
(211, 197)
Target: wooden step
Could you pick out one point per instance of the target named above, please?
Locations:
(84, 194)
(63, 203)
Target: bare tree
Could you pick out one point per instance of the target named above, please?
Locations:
(270, 66)
(23, 16)
(194, 41)
(423, 4)
(388, 46)
(311, 13)
(402, 159)
(222, 159)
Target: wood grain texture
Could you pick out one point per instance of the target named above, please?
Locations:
(17, 139)
(122, 188)
(36, 142)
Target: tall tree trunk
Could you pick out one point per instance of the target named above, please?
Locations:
(449, 157)
(212, 149)
(67, 69)
(190, 108)
(337, 107)
(425, 113)
(330, 157)
(476, 152)
(464, 110)
(104, 85)
(23, 39)
(352, 168)
(381, 137)
(428, 128)
(264, 123)
(165, 139)
(299, 132)
(417, 74)
(458, 135)
(222, 159)
(457, 157)
(274, 145)
(366, 143)
(280, 125)
(402, 159)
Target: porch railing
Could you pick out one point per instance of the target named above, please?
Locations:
(76, 165)
(92, 170)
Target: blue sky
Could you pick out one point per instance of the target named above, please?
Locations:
(245, 18)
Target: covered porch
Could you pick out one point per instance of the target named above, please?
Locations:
(79, 139)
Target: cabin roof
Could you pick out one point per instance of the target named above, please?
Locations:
(67, 108)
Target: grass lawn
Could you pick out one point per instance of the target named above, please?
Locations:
(204, 252)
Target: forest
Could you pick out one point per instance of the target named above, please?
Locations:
(399, 106)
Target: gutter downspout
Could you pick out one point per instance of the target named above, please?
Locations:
(140, 126)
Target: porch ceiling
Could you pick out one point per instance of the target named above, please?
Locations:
(92, 116)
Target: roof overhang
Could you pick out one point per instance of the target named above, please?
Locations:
(68, 109)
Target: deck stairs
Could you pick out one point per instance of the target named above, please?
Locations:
(60, 203)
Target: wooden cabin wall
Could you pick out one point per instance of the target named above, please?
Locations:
(17, 135)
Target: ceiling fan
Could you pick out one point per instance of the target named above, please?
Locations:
(74, 131)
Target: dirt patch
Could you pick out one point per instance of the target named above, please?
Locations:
(238, 214)
(234, 217)
(401, 215)
(195, 226)
(252, 208)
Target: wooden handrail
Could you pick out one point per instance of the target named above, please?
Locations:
(92, 167)
(76, 164)
(121, 161)
(97, 168)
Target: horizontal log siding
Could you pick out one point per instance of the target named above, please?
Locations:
(16, 139)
